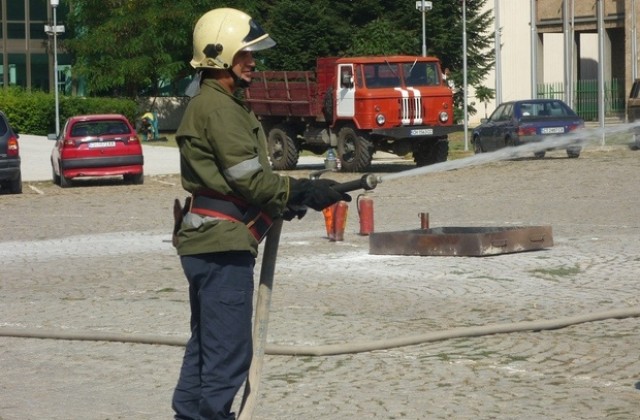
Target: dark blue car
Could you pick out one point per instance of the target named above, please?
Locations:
(10, 172)
(520, 122)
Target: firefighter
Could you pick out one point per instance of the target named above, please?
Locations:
(234, 196)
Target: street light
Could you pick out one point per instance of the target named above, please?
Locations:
(465, 88)
(55, 30)
(423, 7)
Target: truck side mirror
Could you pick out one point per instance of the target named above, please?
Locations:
(346, 79)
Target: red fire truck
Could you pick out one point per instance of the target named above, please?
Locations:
(357, 105)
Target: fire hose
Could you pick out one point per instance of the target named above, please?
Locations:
(261, 321)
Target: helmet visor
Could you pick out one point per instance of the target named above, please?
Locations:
(257, 39)
(260, 44)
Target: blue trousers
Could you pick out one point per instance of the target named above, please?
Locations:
(218, 354)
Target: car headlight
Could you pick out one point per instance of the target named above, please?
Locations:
(380, 119)
(444, 116)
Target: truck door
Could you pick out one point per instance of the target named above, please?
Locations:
(345, 99)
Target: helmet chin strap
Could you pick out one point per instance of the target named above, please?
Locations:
(238, 81)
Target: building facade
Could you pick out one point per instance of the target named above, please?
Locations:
(563, 49)
(26, 49)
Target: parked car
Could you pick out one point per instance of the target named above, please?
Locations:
(95, 146)
(10, 171)
(520, 122)
(633, 112)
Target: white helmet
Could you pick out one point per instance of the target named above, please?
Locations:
(221, 33)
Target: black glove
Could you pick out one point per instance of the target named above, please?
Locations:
(316, 194)
(292, 212)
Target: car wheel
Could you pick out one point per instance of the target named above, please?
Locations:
(137, 179)
(54, 177)
(477, 146)
(539, 155)
(573, 153)
(64, 181)
(15, 185)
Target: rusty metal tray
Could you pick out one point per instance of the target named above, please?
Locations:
(461, 241)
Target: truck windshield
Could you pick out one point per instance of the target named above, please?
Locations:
(381, 75)
(421, 74)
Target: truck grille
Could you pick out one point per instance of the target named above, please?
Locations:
(410, 106)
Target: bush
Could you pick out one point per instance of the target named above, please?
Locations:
(34, 112)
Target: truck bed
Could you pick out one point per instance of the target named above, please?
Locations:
(284, 93)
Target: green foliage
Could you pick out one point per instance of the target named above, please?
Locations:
(34, 112)
(122, 47)
(28, 112)
(304, 31)
(484, 95)
(382, 37)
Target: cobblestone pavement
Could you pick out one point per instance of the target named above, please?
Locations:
(97, 257)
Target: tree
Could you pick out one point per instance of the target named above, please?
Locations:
(304, 31)
(121, 47)
(484, 95)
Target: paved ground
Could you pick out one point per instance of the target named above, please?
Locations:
(96, 257)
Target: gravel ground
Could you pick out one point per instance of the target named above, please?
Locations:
(97, 257)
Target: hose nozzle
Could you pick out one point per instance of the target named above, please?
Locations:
(366, 182)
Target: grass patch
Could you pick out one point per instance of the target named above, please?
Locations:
(557, 271)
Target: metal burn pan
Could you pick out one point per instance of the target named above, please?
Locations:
(461, 241)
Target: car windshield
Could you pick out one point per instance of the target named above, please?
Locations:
(99, 128)
(547, 109)
(381, 75)
(421, 74)
(3, 127)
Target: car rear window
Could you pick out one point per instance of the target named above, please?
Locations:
(99, 128)
(544, 109)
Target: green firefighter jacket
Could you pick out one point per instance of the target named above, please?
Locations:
(223, 148)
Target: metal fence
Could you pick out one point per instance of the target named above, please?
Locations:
(585, 97)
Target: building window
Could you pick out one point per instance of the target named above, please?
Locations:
(40, 72)
(16, 30)
(17, 70)
(38, 10)
(36, 31)
(15, 10)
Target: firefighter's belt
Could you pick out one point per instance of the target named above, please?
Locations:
(230, 208)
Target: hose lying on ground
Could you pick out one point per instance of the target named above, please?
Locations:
(336, 349)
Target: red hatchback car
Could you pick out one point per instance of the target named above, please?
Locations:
(97, 145)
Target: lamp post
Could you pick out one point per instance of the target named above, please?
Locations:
(465, 88)
(423, 7)
(55, 30)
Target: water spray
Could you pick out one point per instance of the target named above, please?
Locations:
(578, 138)
(560, 141)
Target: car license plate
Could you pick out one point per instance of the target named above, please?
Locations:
(552, 130)
(100, 144)
(422, 132)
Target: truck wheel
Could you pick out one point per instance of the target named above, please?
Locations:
(354, 151)
(282, 148)
(429, 152)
